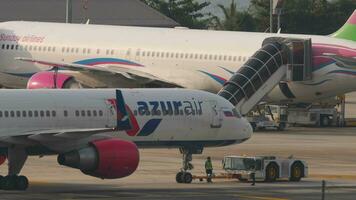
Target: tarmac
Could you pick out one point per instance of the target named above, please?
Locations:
(330, 153)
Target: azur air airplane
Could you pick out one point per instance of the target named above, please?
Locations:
(58, 55)
(99, 131)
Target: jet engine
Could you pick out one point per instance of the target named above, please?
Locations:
(48, 79)
(106, 159)
(2, 159)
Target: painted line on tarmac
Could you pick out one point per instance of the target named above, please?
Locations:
(331, 176)
(262, 198)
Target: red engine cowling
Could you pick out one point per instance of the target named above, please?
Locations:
(51, 80)
(107, 159)
(2, 159)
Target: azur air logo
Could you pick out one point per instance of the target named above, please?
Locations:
(126, 120)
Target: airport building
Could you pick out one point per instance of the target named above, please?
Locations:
(109, 12)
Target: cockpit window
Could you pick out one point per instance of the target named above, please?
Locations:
(236, 113)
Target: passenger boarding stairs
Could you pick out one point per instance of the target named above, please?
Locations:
(279, 59)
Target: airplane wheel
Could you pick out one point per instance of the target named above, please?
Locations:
(21, 183)
(271, 172)
(1, 180)
(296, 171)
(188, 178)
(9, 182)
(179, 177)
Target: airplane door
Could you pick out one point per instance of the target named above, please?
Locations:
(111, 116)
(137, 55)
(216, 115)
(128, 54)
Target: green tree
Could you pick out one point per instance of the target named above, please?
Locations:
(187, 13)
(319, 17)
(234, 20)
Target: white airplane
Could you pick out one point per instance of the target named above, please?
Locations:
(120, 56)
(99, 131)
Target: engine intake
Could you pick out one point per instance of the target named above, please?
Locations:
(106, 159)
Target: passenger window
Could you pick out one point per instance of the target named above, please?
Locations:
(24, 113)
(18, 113)
(35, 113)
(42, 113)
(112, 52)
(153, 54)
(35, 48)
(72, 50)
(0, 113)
(39, 48)
(77, 113)
(12, 113)
(107, 52)
(7, 46)
(65, 113)
(53, 113)
(30, 113)
(6, 113)
(84, 51)
(76, 50)
(3, 46)
(49, 49)
(88, 51)
(44, 48)
(88, 113)
(100, 113)
(83, 113)
(48, 114)
(53, 49)
(17, 47)
(67, 50)
(97, 51)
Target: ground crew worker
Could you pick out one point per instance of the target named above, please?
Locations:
(208, 169)
(253, 174)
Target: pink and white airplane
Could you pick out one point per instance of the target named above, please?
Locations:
(119, 56)
(99, 131)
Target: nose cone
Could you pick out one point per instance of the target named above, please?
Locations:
(247, 130)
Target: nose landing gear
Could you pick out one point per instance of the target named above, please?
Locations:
(184, 176)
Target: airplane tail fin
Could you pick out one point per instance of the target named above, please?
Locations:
(348, 30)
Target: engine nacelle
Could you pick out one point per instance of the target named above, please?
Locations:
(106, 159)
(47, 79)
(2, 159)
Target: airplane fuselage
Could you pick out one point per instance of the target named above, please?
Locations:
(148, 117)
(195, 59)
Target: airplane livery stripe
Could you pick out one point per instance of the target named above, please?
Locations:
(102, 61)
(217, 78)
(149, 127)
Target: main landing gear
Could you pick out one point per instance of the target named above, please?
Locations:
(184, 176)
(16, 159)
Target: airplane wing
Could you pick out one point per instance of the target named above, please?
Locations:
(50, 136)
(107, 71)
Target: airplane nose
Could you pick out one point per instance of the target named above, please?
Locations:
(247, 129)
